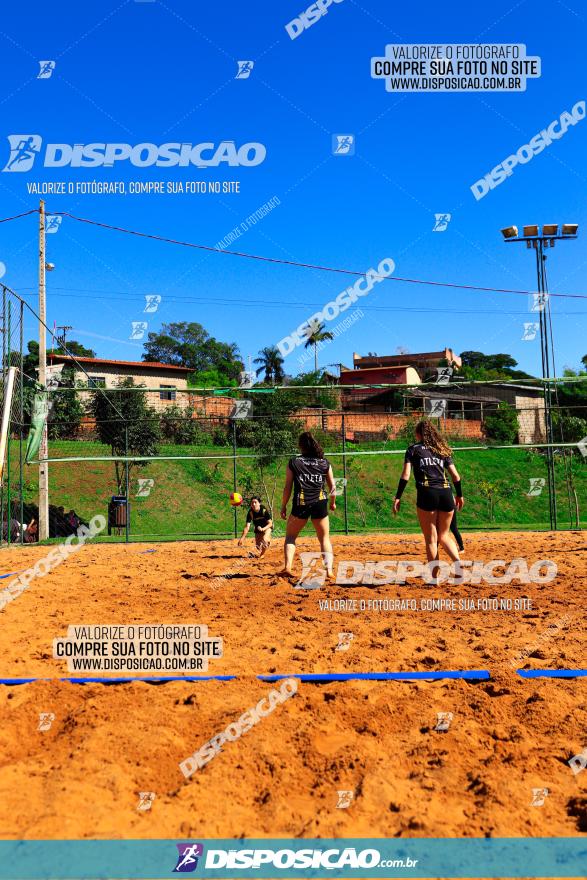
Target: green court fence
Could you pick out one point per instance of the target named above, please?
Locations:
(172, 455)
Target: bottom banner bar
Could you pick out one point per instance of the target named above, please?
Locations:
(347, 857)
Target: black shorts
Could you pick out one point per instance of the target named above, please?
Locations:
(435, 499)
(317, 510)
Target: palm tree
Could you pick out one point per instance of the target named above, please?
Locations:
(271, 364)
(315, 334)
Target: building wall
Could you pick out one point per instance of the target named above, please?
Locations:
(531, 419)
(376, 376)
(211, 407)
(357, 425)
(114, 374)
(360, 425)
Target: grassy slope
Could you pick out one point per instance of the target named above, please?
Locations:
(191, 497)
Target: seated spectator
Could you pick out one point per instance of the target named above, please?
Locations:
(31, 532)
(73, 521)
(19, 531)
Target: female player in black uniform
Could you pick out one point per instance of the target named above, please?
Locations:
(308, 474)
(262, 522)
(431, 459)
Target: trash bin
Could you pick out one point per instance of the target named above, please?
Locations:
(118, 511)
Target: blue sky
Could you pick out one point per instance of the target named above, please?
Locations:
(156, 72)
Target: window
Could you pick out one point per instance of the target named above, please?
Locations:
(96, 381)
(167, 392)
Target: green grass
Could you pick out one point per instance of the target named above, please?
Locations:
(190, 498)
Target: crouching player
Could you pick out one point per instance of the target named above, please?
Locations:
(262, 522)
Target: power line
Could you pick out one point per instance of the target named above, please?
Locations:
(299, 265)
(318, 267)
(200, 300)
(18, 216)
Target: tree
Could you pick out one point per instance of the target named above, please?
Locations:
(492, 491)
(584, 361)
(212, 378)
(272, 434)
(271, 363)
(323, 396)
(315, 334)
(488, 367)
(184, 344)
(66, 409)
(571, 428)
(502, 424)
(75, 348)
(178, 425)
(126, 424)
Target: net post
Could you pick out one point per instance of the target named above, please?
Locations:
(8, 503)
(234, 473)
(21, 429)
(126, 485)
(4, 398)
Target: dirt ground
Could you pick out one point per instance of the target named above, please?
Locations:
(81, 778)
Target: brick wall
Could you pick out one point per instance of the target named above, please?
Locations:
(360, 425)
(357, 425)
(212, 407)
(531, 419)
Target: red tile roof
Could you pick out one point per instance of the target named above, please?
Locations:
(154, 365)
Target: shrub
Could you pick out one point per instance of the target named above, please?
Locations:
(179, 426)
(502, 425)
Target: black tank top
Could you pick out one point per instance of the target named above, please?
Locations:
(429, 467)
(309, 478)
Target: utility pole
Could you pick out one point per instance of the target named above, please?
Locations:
(43, 448)
(61, 339)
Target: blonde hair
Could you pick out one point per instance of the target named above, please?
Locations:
(432, 438)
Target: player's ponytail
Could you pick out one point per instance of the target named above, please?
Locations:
(309, 446)
(432, 438)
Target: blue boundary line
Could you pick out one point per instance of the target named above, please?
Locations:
(436, 675)
(473, 674)
(551, 673)
(125, 680)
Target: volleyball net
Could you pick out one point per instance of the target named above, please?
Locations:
(161, 462)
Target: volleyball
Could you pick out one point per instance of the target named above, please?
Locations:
(235, 499)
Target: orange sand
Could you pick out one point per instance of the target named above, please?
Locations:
(81, 778)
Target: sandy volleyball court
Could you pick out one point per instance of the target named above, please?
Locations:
(507, 737)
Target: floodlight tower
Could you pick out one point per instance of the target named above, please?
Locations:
(539, 242)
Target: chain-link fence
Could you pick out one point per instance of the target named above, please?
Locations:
(15, 405)
(161, 459)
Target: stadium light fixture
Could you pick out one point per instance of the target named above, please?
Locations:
(530, 231)
(510, 232)
(549, 230)
(49, 266)
(570, 228)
